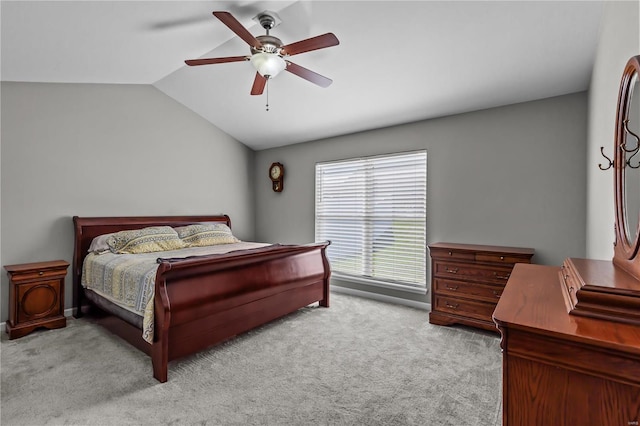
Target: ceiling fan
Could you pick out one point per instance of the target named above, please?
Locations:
(268, 55)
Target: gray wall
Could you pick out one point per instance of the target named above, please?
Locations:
(511, 176)
(109, 150)
(619, 40)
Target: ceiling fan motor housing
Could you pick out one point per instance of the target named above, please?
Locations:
(270, 44)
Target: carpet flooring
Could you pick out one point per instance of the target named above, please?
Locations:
(359, 362)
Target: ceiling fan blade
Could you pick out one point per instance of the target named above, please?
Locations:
(313, 43)
(308, 75)
(208, 61)
(258, 84)
(237, 28)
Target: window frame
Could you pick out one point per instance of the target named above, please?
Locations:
(422, 263)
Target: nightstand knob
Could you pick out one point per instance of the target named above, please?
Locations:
(40, 273)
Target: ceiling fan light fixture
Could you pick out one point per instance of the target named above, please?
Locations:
(268, 64)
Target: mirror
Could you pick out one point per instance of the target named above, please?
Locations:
(611, 290)
(632, 162)
(627, 170)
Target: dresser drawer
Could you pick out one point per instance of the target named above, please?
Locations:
(500, 258)
(463, 307)
(475, 272)
(465, 289)
(441, 253)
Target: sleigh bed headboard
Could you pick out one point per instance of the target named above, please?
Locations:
(87, 228)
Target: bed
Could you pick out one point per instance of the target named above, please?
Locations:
(202, 300)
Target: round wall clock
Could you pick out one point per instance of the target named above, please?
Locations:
(276, 174)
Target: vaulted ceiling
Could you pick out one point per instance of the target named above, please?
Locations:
(397, 61)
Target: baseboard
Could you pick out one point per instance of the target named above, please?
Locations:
(67, 313)
(381, 297)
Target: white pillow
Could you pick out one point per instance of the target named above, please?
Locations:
(99, 244)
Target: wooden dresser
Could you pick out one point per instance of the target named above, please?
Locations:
(571, 334)
(467, 281)
(559, 368)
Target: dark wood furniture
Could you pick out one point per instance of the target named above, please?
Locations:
(467, 281)
(36, 297)
(205, 300)
(563, 369)
(571, 335)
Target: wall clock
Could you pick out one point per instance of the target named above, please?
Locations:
(276, 173)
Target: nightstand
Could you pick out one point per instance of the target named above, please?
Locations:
(36, 296)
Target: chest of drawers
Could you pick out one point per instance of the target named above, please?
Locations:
(467, 281)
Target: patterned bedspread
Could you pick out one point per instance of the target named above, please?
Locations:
(128, 280)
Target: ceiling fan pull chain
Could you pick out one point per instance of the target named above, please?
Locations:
(267, 94)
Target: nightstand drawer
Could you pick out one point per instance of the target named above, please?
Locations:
(39, 275)
(468, 290)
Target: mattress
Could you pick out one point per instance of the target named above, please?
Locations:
(128, 280)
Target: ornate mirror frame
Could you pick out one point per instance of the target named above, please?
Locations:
(627, 241)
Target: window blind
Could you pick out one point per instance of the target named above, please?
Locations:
(373, 210)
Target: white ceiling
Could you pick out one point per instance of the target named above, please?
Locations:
(397, 62)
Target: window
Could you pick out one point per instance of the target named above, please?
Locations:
(373, 210)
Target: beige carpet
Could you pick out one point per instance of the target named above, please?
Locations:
(360, 362)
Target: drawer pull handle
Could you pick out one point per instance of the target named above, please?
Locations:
(496, 293)
(40, 273)
(501, 277)
(450, 253)
(452, 288)
(451, 306)
(570, 289)
(452, 270)
(501, 257)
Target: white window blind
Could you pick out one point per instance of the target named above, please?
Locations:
(373, 210)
